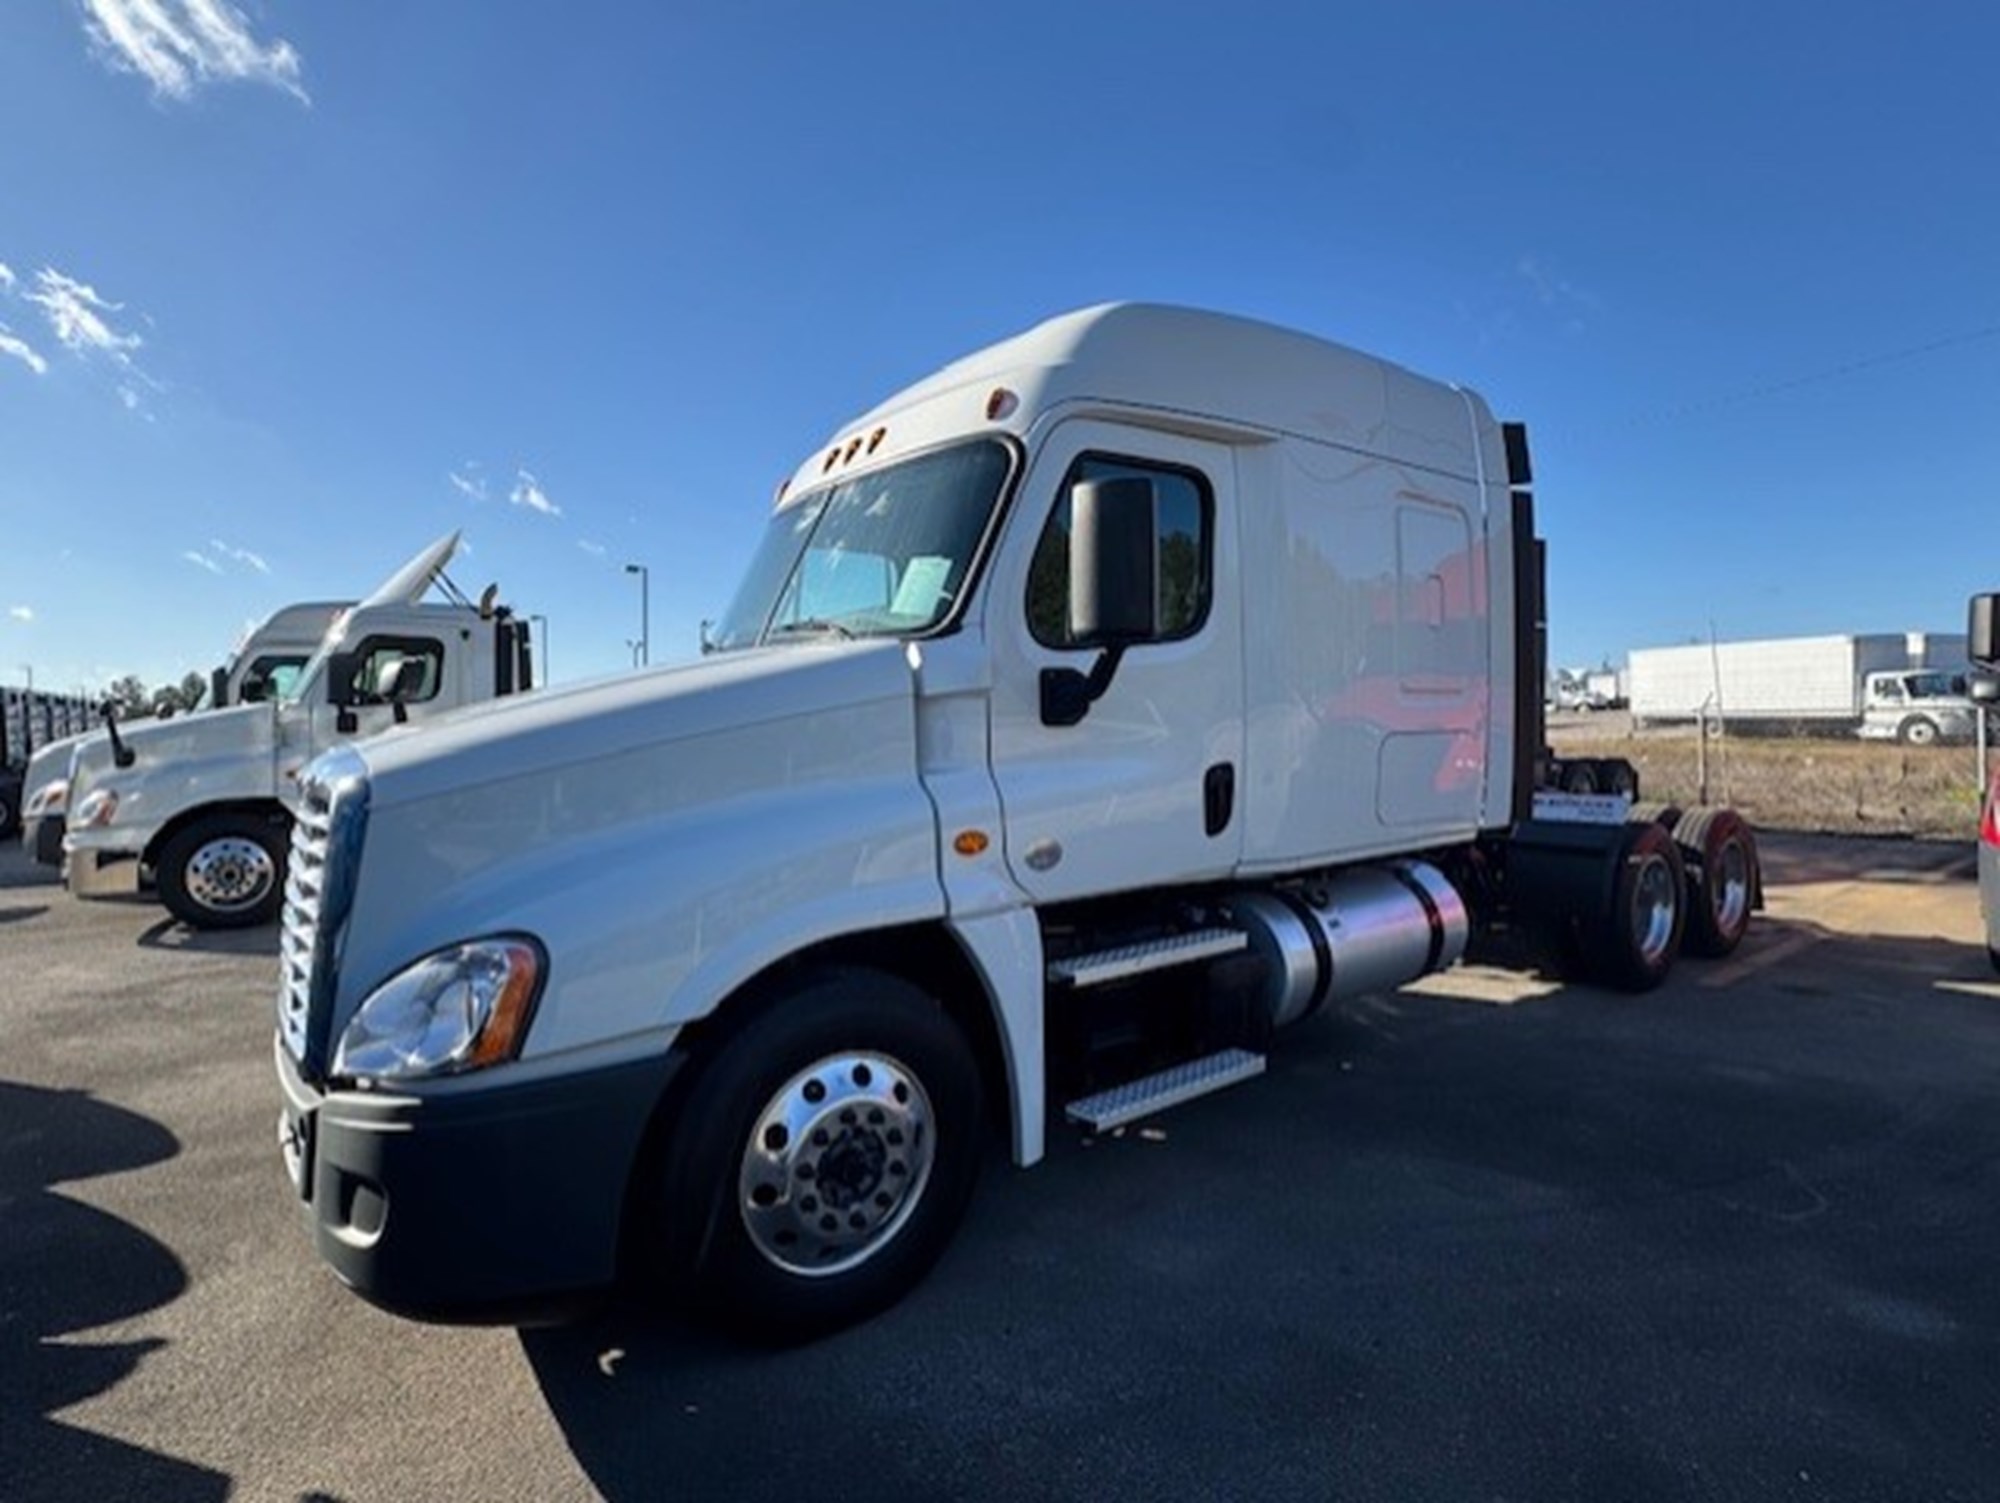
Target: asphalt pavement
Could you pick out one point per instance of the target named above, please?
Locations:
(1490, 1238)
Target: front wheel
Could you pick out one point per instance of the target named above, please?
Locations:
(1919, 730)
(823, 1158)
(224, 872)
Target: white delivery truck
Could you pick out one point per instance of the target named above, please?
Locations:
(263, 666)
(1891, 686)
(201, 806)
(1091, 711)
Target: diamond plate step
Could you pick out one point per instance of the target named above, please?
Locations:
(1151, 955)
(1155, 1093)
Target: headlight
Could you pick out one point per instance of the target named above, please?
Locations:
(461, 1009)
(48, 799)
(97, 808)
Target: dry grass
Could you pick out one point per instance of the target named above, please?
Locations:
(1807, 784)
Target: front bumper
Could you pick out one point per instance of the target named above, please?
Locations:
(42, 837)
(486, 1204)
(91, 872)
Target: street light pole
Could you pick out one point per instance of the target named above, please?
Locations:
(645, 611)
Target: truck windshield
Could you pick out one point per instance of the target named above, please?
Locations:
(883, 554)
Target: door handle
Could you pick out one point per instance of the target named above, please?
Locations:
(1218, 797)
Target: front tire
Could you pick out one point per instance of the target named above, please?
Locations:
(823, 1158)
(224, 872)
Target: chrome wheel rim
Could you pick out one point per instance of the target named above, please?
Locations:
(1729, 891)
(230, 874)
(1654, 905)
(836, 1163)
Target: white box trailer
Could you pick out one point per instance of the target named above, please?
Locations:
(1883, 684)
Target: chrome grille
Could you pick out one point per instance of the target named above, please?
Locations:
(327, 828)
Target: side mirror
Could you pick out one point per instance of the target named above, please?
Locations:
(1113, 562)
(1114, 547)
(1984, 688)
(1982, 631)
(396, 679)
(399, 681)
(218, 689)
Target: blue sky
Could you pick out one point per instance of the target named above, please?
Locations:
(291, 287)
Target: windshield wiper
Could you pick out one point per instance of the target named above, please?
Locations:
(814, 625)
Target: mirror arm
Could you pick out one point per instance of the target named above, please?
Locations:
(1067, 695)
(121, 754)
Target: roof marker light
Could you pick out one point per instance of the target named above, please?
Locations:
(875, 439)
(1001, 404)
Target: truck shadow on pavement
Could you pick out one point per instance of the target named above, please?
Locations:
(67, 1267)
(172, 935)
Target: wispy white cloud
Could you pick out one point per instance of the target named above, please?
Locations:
(595, 550)
(1558, 293)
(178, 46)
(201, 561)
(468, 484)
(19, 348)
(76, 316)
(88, 325)
(219, 550)
(7, 277)
(528, 492)
(22, 612)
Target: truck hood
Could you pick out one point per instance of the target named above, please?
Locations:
(668, 833)
(50, 763)
(605, 719)
(182, 740)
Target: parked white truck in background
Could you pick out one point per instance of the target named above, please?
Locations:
(1895, 686)
(201, 806)
(1091, 710)
(264, 665)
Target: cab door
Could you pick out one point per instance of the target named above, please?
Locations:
(1146, 788)
(375, 659)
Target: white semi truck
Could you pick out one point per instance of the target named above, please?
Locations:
(1885, 686)
(200, 807)
(1091, 711)
(263, 666)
